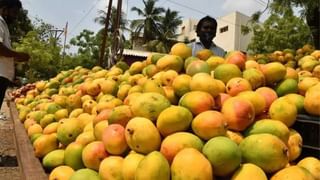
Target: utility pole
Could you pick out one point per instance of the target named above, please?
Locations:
(65, 30)
(105, 35)
(116, 34)
(56, 33)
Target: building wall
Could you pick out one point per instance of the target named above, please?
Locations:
(228, 36)
(187, 30)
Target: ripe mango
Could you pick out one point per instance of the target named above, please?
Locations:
(153, 166)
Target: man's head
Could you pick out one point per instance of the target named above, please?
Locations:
(206, 29)
(9, 9)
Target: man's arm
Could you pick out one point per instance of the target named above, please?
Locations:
(19, 56)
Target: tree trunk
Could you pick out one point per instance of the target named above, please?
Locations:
(314, 25)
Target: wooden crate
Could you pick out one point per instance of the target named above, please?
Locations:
(30, 166)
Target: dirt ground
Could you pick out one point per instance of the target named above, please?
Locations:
(9, 169)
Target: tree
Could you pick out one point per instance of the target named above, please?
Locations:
(310, 12)
(43, 29)
(101, 19)
(43, 57)
(20, 27)
(111, 30)
(88, 47)
(167, 32)
(278, 32)
(151, 16)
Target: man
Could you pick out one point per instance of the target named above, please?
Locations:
(9, 9)
(206, 31)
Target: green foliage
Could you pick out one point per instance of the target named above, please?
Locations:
(159, 29)
(88, 44)
(148, 23)
(43, 57)
(43, 29)
(19, 28)
(278, 32)
(310, 13)
(112, 22)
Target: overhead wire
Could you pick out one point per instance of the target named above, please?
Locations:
(195, 10)
(84, 17)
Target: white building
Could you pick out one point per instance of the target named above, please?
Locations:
(229, 35)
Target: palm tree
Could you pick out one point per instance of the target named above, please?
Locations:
(151, 16)
(110, 30)
(102, 19)
(167, 27)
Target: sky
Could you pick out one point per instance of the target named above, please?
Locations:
(80, 14)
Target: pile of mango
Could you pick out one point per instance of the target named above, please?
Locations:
(177, 116)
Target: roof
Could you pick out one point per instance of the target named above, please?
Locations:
(131, 52)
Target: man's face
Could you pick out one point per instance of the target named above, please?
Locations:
(207, 31)
(10, 14)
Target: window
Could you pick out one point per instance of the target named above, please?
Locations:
(224, 29)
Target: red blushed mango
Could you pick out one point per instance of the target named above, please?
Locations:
(114, 140)
(93, 154)
(175, 142)
(209, 124)
(220, 99)
(269, 95)
(239, 113)
(197, 66)
(197, 101)
(237, 85)
(102, 116)
(237, 58)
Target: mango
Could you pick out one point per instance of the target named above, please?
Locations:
(204, 82)
(225, 72)
(270, 126)
(142, 135)
(284, 111)
(181, 84)
(61, 173)
(312, 164)
(68, 131)
(53, 159)
(292, 173)
(174, 143)
(45, 144)
(73, 155)
(189, 163)
(153, 166)
(111, 168)
(294, 144)
(249, 170)
(197, 101)
(209, 124)
(168, 62)
(198, 66)
(114, 139)
(130, 164)
(255, 77)
(181, 49)
(93, 154)
(256, 149)
(223, 154)
(173, 119)
(85, 174)
(149, 105)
